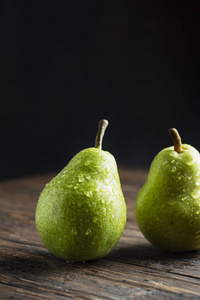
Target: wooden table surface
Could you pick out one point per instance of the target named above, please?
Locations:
(134, 269)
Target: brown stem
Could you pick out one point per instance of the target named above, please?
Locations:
(101, 130)
(177, 140)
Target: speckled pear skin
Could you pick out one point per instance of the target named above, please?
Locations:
(81, 213)
(167, 208)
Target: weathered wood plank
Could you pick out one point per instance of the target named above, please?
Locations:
(133, 270)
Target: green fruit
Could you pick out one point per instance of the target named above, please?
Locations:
(167, 208)
(81, 213)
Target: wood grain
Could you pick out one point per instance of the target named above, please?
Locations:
(134, 269)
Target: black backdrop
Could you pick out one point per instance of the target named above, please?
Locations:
(66, 64)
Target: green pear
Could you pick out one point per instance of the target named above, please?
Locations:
(167, 208)
(81, 213)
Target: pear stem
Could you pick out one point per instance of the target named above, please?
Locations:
(101, 130)
(177, 140)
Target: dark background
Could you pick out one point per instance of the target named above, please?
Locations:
(66, 64)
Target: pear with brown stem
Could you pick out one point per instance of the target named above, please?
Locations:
(167, 208)
(81, 213)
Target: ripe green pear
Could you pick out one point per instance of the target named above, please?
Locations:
(81, 213)
(167, 208)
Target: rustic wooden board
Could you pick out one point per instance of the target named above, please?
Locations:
(134, 269)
